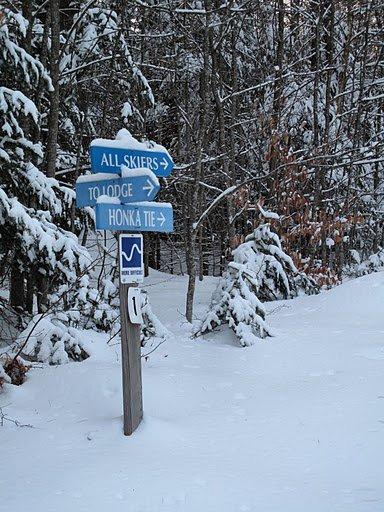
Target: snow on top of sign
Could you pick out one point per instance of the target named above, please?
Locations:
(126, 172)
(151, 204)
(107, 199)
(125, 140)
(99, 176)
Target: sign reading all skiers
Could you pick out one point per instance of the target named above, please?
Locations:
(109, 155)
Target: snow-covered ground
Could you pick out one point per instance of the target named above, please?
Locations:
(292, 424)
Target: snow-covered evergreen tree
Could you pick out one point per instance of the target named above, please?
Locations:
(30, 203)
(48, 265)
(358, 268)
(260, 271)
(277, 274)
(236, 300)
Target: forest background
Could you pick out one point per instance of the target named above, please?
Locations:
(276, 103)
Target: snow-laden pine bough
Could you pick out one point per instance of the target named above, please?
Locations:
(54, 338)
(260, 271)
(358, 268)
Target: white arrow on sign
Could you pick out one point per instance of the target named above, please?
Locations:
(149, 187)
(164, 164)
(161, 219)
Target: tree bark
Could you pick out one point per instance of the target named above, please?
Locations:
(192, 213)
(53, 117)
(17, 288)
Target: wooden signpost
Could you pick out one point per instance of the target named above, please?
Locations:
(131, 365)
(132, 216)
(130, 254)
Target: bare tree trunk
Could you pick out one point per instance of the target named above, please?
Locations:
(318, 12)
(192, 213)
(29, 295)
(191, 266)
(147, 254)
(53, 19)
(158, 252)
(53, 118)
(232, 134)
(277, 97)
(200, 239)
(201, 255)
(17, 289)
(329, 47)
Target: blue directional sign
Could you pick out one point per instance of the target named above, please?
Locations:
(146, 216)
(131, 258)
(128, 189)
(110, 159)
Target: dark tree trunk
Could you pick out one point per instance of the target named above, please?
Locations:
(53, 118)
(17, 288)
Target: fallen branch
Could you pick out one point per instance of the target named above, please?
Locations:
(4, 417)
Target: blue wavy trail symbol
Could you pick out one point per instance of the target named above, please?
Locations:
(130, 257)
